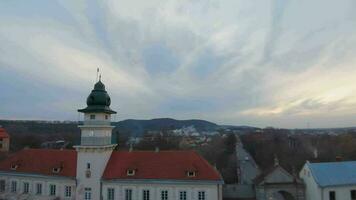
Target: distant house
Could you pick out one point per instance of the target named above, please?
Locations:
(330, 180)
(4, 140)
(277, 183)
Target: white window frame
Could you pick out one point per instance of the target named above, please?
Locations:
(52, 190)
(68, 191)
(87, 193)
(13, 188)
(183, 195)
(146, 194)
(26, 187)
(2, 185)
(39, 187)
(202, 195)
(128, 194)
(111, 193)
(164, 195)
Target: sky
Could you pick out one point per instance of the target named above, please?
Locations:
(281, 63)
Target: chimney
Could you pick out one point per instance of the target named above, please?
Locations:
(131, 148)
(157, 149)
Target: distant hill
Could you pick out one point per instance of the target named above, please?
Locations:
(137, 127)
(132, 126)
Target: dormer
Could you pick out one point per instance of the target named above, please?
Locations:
(191, 173)
(131, 172)
(14, 166)
(56, 170)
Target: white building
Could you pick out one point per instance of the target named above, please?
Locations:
(329, 180)
(95, 171)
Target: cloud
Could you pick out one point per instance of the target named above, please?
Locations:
(274, 62)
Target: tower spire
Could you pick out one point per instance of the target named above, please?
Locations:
(97, 73)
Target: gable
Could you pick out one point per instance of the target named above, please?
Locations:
(279, 175)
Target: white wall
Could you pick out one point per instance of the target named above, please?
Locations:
(341, 192)
(98, 160)
(312, 190)
(213, 191)
(33, 180)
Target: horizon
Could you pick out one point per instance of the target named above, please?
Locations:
(249, 63)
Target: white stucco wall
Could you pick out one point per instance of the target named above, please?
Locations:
(312, 190)
(212, 191)
(341, 192)
(46, 181)
(98, 160)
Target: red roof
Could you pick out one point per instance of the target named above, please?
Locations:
(159, 165)
(42, 161)
(3, 133)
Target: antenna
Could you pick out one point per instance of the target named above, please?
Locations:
(97, 73)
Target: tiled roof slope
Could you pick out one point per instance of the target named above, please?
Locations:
(42, 162)
(3, 133)
(334, 173)
(167, 165)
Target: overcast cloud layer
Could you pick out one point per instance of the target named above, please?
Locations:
(283, 63)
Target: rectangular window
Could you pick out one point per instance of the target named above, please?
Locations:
(353, 194)
(88, 165)
(92, 116)
(13, 186)
(38, 188)
(111, 194)
(52, 190)
(2, 185)
(332, 195)
(182, 195)
(146, 195)
(68, 191)
(128, 194)
(201, 195)
(87, 193)
(164, 195)
(26, 187)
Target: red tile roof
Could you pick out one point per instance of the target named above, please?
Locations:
(3, 133)
(159, 165)
(42, 162)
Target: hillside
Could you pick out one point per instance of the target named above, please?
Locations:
(137, 127)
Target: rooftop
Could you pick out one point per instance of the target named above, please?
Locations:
(334, 173)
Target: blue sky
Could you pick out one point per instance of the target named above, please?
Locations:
(283, 63)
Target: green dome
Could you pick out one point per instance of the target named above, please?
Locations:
(98, 100)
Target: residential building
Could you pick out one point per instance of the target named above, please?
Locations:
(329, 180)
(4, 140)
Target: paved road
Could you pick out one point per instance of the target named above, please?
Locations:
(247, 167)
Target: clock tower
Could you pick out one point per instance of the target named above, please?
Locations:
(96, 145)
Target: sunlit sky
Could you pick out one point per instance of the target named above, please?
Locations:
(282, 63)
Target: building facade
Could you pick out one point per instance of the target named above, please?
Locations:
(95, 171)
(4, 140)
(277, 183)
(329, 180)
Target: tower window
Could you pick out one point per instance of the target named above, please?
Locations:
(88, 165)
(106, 116)
(92, 116)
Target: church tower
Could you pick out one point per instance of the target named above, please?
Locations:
(96, 145)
